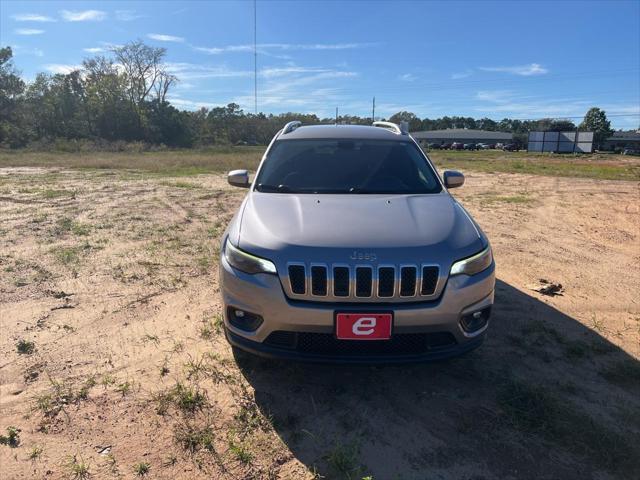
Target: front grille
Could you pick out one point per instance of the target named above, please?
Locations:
(345, 283)
(328, 344)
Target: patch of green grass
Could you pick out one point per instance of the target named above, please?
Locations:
(194, 438)
(67, 256)
(207, 330)
(138, 165)
(343, 461)
(86, 387)
(124, 388)
(25, 347)
(108, 380)
(599, 166)
(78, 468)
(141, 469)
(60, 395)
(35, 452)
(12, 438)
(51, 194)
(240, 451)
(186, 398)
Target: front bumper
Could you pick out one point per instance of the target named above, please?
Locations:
(313, 322)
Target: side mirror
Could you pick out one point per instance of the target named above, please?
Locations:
(453, 179)
(238, 178)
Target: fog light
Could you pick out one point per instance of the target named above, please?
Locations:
(243, 320)
(474, 321)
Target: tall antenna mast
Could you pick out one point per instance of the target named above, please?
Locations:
(336, 115)
(255, 56)
(373, 112)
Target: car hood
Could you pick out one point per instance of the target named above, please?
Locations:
(392, 227)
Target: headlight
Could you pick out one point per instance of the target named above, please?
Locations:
(475, 264)
(245, 262)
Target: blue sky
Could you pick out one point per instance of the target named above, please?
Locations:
(496, 59)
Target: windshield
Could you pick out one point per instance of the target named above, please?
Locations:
(346, 166)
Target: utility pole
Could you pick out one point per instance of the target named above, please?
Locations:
(373, 112)
(336, 115)
(255, 57)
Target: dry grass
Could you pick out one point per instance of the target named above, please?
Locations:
(112, 293)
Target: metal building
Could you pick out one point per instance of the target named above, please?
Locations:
(561, 142)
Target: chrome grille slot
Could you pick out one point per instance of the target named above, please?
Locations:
(408, 281)
(386, 281)
(318, 280)
(429, 280)
(297, 279)
(364, 281)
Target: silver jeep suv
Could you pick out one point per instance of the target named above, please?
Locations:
(348, 247)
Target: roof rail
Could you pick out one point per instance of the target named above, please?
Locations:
(290, 127)
(398, 129)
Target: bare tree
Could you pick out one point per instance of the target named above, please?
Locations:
(144, 71)
(164, 82)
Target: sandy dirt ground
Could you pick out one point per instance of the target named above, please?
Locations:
(113, 365)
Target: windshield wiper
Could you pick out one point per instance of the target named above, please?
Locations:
(261, 187)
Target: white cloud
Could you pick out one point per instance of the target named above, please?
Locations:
(127, 15)
(160, 37)
(29, 31)
(191, 104)
(83, 15)
(494, 95)
(282, 46)
(193, 71)
(523, 70)
(271, 72)
(460, 75)
(20, 50)
(32, 17)
(407, 77)
(94, 50)
(61, 68)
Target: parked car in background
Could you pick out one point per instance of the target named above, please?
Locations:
(434, 146)
(498, 146)
(469, 146)
(445, 146)
(481, 146)
(491, 146)
(457, 146)
(630, 151)
(511, 147)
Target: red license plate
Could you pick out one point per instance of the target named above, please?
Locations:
(363, 326)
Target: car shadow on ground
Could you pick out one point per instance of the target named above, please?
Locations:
(544, 397)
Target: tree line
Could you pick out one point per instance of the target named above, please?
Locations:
(122, 97)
